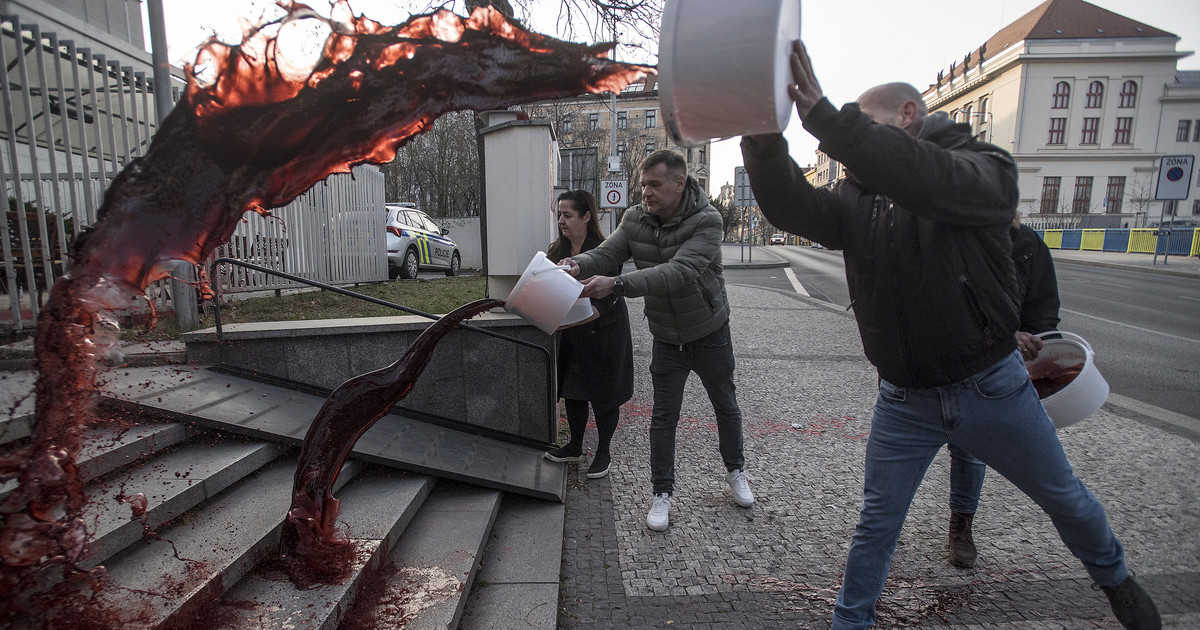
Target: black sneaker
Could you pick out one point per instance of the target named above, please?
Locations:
(1132, 606)
(565, 454)
(599, 467)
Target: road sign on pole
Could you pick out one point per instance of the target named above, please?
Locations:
(742, 195)
(614, 193)
(1174, 177)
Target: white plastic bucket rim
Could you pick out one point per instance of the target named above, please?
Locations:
(1084, 395)
(723, 67)
(545, 295)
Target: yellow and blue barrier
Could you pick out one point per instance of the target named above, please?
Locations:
(1180, 242)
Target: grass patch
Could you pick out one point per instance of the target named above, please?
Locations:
(437, 296)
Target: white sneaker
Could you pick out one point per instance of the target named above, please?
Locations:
(660, 513)
(739, 482)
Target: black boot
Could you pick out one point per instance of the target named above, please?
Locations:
(1132, 606)
(962, 545)
(599, 467)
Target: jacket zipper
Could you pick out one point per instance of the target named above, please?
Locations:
(901, 314)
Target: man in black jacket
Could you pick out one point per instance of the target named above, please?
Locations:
(923, 221)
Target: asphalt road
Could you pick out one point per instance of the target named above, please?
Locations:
(1141, 325)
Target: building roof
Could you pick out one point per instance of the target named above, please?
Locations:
(1189, 78)
(1057, 19)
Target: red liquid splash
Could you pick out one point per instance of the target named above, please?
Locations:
(311, 535)
(253, 138)
(1051, 384)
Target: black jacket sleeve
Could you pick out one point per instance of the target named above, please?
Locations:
(785, 197)
(1037, 281)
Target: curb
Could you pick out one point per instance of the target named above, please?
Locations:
(1139, 268)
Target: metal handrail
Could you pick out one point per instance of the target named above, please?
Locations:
(550, 374)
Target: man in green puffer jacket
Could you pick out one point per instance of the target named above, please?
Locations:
(674, 238)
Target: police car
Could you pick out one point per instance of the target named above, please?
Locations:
(415, 242)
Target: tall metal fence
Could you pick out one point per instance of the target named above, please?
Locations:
(72, 118)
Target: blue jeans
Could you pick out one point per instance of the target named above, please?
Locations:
(966, 480)
(995, 415)
(711, 358)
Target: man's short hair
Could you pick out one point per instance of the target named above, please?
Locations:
(674, 161)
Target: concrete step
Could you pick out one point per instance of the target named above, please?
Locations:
(108, 448)
(429, 574)
(517, 588)
(173, 483)
(15, 428)
(179, 577)
(16, 397)
(247, 407)
(376, 508)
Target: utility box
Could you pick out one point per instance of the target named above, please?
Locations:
(519, 174)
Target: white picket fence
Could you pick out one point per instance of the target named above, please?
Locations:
(334, 233)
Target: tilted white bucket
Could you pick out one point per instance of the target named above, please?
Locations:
(547, 296)
(723, 67)
(1065, 375)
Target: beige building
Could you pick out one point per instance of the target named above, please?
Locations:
(584, 128)
(1088, 102)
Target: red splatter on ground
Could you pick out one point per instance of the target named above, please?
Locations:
(253, 137)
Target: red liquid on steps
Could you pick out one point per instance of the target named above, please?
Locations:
(310, 535)
(250, 140)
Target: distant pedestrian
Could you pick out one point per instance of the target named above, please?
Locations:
(923, 220)
(595, 359)
(1037, 285)
(674, 238)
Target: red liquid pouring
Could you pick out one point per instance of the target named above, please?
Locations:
(254, 138)
(310, 535)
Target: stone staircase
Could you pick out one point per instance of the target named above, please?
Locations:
(452, 530)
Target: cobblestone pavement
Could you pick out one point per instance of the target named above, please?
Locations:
(806, 393)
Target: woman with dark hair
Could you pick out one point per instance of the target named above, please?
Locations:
(595, 359)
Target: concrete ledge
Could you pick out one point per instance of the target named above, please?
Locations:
(472, 378)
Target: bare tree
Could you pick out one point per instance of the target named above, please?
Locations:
(1140, 194)
(731, 217)
(439, 169)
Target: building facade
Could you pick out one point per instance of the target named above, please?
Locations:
(593, 129)
(1088, 102)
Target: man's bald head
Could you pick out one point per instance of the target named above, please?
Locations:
(897, 104)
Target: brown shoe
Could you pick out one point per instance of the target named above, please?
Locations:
(962, 546)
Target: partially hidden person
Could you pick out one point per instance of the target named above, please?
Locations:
(923, 222)
(674, 238)
(595, 358)
(1037, 284)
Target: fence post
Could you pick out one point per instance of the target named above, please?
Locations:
(183, 274)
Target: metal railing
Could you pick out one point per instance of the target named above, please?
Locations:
(550, 367)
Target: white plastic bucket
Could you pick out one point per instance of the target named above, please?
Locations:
(1057, 363)
(547, 296)
(723, 67)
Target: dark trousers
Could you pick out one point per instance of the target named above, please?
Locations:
(711, 358)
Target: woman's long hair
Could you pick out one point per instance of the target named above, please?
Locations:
(581, 201)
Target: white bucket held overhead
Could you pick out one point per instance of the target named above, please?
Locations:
(723, 67)
(547, 296)
(1065, 375)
